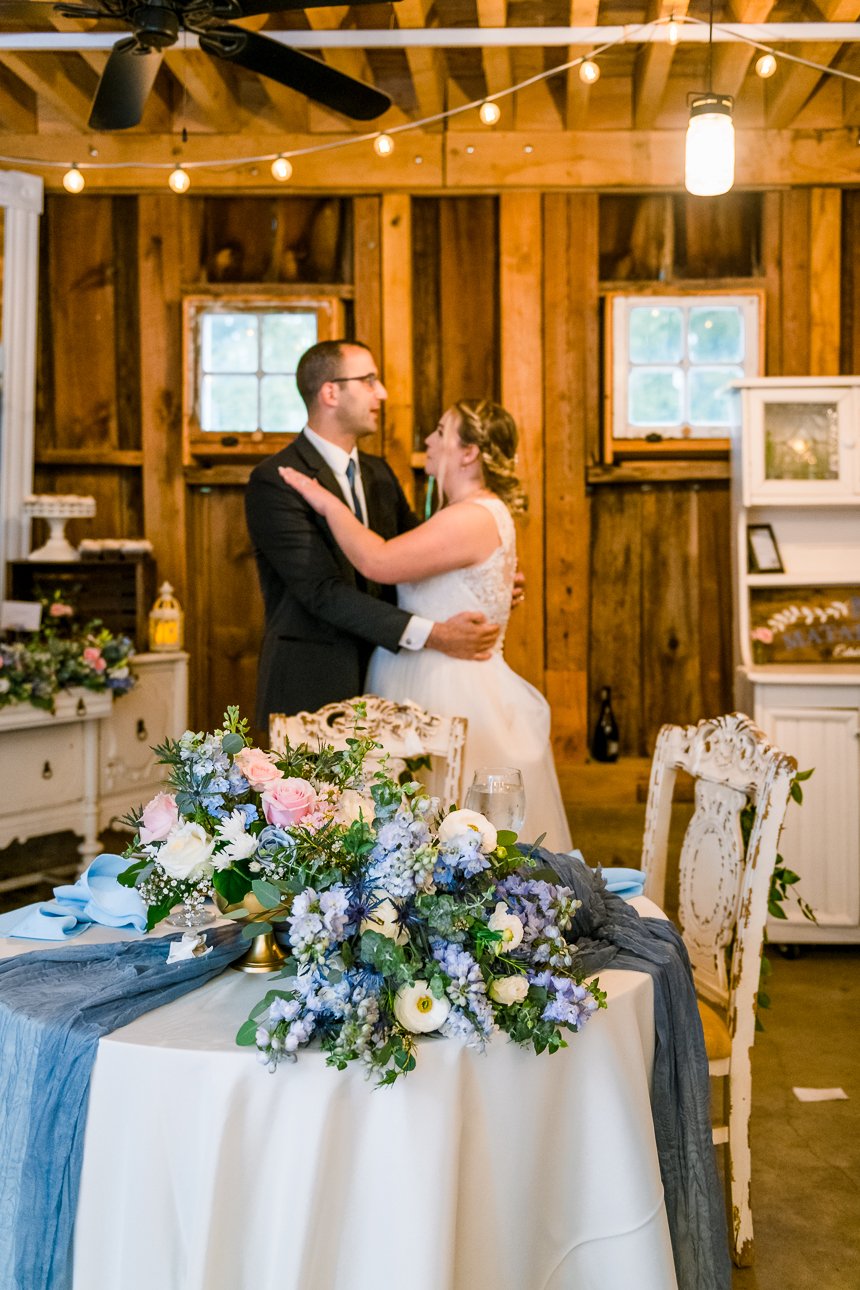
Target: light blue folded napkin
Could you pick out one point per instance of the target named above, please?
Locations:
(621, 882)
(96, 897)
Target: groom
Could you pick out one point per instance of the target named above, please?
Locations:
(322, 618)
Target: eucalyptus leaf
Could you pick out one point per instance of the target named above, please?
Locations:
(266, 892)
(232, 744)
(251, 930)
(247, 1033)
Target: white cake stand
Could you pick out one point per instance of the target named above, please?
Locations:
(56, 508)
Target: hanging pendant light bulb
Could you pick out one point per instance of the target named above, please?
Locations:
(710, 153)
(673, 31)
(73, 180)
(765, 66)
(383, 145)
(178, 180)
(709, 162)
(589, 72)
(489, 113)
(281, 169)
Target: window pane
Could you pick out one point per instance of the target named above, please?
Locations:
(285, 339)
(712, 403)
(656, 335)
(655, 397)
(228, 403)
(716, 335)
(281, 407)
(801, 441)
(229, 342)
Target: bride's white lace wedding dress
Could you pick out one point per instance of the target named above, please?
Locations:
(509, 720)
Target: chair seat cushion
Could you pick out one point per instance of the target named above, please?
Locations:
(718, 1043)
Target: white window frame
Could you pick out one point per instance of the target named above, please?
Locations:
(671, 441)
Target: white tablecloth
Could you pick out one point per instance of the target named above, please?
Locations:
(502, 1171)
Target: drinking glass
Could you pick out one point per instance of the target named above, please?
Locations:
(498, 793)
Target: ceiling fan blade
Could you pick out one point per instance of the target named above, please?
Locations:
(246, 8)
(124, 86)
(296, 70)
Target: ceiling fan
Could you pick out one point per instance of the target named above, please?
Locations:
(134, 61)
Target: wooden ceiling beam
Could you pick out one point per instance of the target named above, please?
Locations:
(498, 67)
(18, 108)
(352, 62)
(583, 13)
(794, 85)
(653, 65)
(46, 75)
(209, 85)
(425, 65)
(731, 62)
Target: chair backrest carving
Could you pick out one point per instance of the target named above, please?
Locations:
(723, 891)
(403, 729)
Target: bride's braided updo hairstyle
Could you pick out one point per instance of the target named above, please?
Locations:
(494, 431)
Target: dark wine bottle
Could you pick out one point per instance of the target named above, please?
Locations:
(604, 744)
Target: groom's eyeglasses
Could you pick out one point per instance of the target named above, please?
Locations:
(370, 379)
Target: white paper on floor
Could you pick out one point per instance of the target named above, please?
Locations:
(820, 1094)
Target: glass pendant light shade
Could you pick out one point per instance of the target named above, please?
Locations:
(710, 156)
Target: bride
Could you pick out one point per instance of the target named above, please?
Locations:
(463, 558)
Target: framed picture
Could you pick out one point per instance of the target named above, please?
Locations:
(764, 554)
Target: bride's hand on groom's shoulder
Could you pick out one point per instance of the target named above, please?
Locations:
(313, 493)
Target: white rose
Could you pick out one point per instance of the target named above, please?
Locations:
(460, 822)
(351, 805)
(186, 854)
(509, 989)
(417, 1010)
(508, 924)
(384, 918)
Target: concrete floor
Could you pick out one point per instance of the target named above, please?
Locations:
(806, 1156)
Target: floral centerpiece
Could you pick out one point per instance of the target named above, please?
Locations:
(35, 667)
(399, 919)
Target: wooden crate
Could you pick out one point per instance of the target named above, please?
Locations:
(118, 590)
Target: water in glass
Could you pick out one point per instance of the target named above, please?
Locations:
(498, 793)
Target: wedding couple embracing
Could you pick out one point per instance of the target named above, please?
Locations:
(361, 597)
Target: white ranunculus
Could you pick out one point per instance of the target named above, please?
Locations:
(509, 989)
(187, 853)
(509, 925)
(238, 843)
(384, 918)
(417, 1010)
(351, 805)
(460, 822)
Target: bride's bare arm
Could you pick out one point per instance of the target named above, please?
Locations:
(455, 538)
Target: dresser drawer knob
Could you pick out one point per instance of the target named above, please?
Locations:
(142, 732)
(47, 772)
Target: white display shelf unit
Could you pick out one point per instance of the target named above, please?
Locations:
(809, 707)
(89, 763)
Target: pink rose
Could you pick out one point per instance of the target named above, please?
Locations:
(288, 802)
(159, 817)
(59, 610)
(93, 656)
(258, 768)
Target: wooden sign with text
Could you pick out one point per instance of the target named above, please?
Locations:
(805, 624)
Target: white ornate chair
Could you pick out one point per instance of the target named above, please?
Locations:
(403, 729)
(723, 898)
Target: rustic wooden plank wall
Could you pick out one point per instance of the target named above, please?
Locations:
(628, 582)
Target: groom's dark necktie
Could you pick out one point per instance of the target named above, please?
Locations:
(351, 472)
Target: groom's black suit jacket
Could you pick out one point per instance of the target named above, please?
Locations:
(322, 618)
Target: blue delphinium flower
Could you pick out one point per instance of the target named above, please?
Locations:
(466, 990)
(569, 1003)
(317, 921)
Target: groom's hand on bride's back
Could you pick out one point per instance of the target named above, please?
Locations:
(466, 635)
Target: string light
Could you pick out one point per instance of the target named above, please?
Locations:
(766, 66)
(179, 180)
(282, 169)
(73, 180)
(709, 154)
(489, 112)
(673, 31)
(384, 143)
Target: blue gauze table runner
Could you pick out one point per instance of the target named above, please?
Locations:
(55, 1004)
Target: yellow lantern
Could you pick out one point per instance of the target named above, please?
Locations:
(166, 621)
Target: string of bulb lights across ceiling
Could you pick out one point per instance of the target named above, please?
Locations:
(710, 144)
